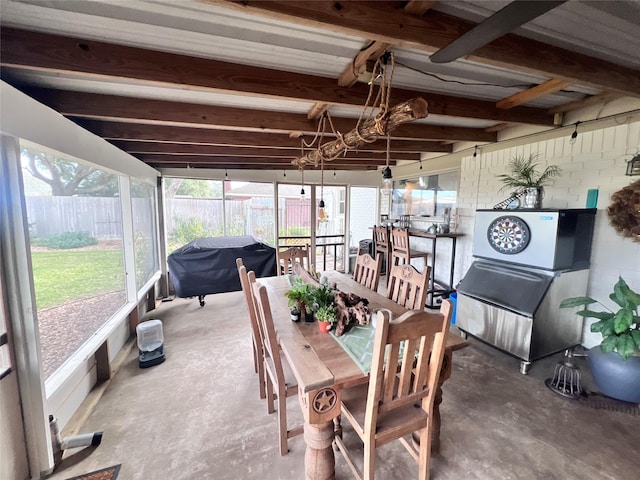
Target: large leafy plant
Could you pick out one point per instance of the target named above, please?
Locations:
(620, 330)
(523, 173)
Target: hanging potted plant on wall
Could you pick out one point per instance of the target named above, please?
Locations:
(523, 177)
(615, 363)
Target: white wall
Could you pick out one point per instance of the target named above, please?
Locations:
(597, 160)
(12, 442)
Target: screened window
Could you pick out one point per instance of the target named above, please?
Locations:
(193, 209)
(249, 210)
(426, 196)
(143, 204)
(75, 229)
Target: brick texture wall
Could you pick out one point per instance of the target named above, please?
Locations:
(596, 160)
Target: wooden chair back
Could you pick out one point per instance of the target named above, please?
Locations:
(367, 271)
(382, 244)
(400, 251)
(286, 259)
(408, 287)
(268, 328)
(407, 374)
(306, 276)
(256, 331)
(276, 384)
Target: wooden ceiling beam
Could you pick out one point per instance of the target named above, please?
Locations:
(233, 166)
(419, 7)
(547, 88)
(27, 50)
(198, 159)
(198, 136)
(371, 52)
(160, 112)
(584, 102)
(134, 148)
(384, 22)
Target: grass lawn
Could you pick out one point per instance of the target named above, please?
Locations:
(64, 275)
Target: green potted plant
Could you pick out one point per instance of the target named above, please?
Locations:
(301, 299)
(523, 176)
(326, 316)
(615, 363)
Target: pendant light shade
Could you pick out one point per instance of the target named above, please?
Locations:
(387, 180)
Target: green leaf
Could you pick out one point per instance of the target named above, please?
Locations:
(605, 327)
(625, 345)
(576, 302)
(635, 335)
(592, 314)
(628, 294)
(609, 343)
(620, 303)
(623, 320)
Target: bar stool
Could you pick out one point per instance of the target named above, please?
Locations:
(401, 253)
(382, 245)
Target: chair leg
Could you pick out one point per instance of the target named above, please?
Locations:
(282, 420)
(425, 453)
(255, 356)
(269, 392)
(262, 380)
(369, 466)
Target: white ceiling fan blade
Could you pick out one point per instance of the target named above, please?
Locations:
(500, 23)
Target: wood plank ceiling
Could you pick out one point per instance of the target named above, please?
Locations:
(173, 107)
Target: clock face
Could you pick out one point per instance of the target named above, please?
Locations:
(508, 235)
(514, 203)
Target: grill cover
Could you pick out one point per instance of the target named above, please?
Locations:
(208, 265)
(517, 289)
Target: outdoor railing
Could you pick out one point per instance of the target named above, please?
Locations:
(329, 250)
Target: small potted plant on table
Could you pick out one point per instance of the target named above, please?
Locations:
(301, 300)
(615, 363)
(326, 316)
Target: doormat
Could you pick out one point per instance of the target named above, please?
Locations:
(602, 402)
(109, 473)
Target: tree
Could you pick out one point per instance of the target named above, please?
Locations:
(67, 178)
(192, 187)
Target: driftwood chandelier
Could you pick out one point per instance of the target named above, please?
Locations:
(366, 130)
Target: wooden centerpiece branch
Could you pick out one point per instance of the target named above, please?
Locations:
(369, 131)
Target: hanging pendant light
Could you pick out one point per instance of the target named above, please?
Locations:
(387, 178)
(302, 192)
(322, 214)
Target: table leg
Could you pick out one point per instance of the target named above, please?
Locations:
(445, 373)
(319, 460)
(320, 408)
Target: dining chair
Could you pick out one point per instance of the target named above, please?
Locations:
(256, 334)
(278, 374)
(382, 245)
(399, 398)
(367, 271)
(286, 259)
(401, 252)
(408, 287)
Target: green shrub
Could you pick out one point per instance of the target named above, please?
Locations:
(64, 241)
(188, 229)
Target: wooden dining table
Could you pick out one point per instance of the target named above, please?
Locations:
(323, 369)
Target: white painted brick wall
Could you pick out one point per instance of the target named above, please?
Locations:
(597, 160)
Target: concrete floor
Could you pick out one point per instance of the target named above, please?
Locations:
(198, 416)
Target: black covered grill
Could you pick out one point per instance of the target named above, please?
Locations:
(208, 265)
